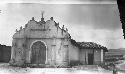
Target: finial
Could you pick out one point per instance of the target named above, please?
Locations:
(32, 18)
(58, 23)
(26, 25)
(63, 27)
(66, 29)
(51, 18)
(21, 28)
(42, 12)
(16, 30)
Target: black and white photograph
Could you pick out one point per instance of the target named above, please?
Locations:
(62, 37)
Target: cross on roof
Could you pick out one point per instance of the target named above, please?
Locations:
(42, 12)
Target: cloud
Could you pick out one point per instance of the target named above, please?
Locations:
(103, 16)
(86, 22)
(108, 38)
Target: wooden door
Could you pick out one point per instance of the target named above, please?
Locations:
(90, 59)
(38, 53)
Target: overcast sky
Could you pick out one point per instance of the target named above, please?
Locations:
(86, 22)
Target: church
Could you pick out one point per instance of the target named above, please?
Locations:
(44, 43)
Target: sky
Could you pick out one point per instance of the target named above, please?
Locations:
(91, 22)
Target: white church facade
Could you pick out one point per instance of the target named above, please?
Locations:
(45, 43)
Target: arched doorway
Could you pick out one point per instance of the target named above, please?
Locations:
(38, 53)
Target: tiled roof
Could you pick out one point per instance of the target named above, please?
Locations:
(91, 45)
(88, 45)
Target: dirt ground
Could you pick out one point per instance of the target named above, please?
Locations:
(6, 69)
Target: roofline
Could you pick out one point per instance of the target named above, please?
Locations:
(81, 47)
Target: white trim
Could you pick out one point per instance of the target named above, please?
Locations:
(69, 54)
(101, 55)
(31, 50)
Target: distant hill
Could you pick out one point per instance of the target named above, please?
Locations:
(120, 51)
(114, 55)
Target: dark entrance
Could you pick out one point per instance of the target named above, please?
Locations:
(90, 59)
(38, 53)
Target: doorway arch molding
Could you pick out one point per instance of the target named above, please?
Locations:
(30, 54)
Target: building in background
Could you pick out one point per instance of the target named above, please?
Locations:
(44, 43)
(5, 53)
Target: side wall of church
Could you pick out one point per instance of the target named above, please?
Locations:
(73, 54)
(18, 52)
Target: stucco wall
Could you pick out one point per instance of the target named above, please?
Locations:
(56, 50)
(73, 53)
(17, 52)
(97, 56)
(82, 56)
(84, 53)
(55, 39)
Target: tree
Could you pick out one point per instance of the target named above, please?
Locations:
(121, 7)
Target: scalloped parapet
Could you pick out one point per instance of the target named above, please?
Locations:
(41, 29)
